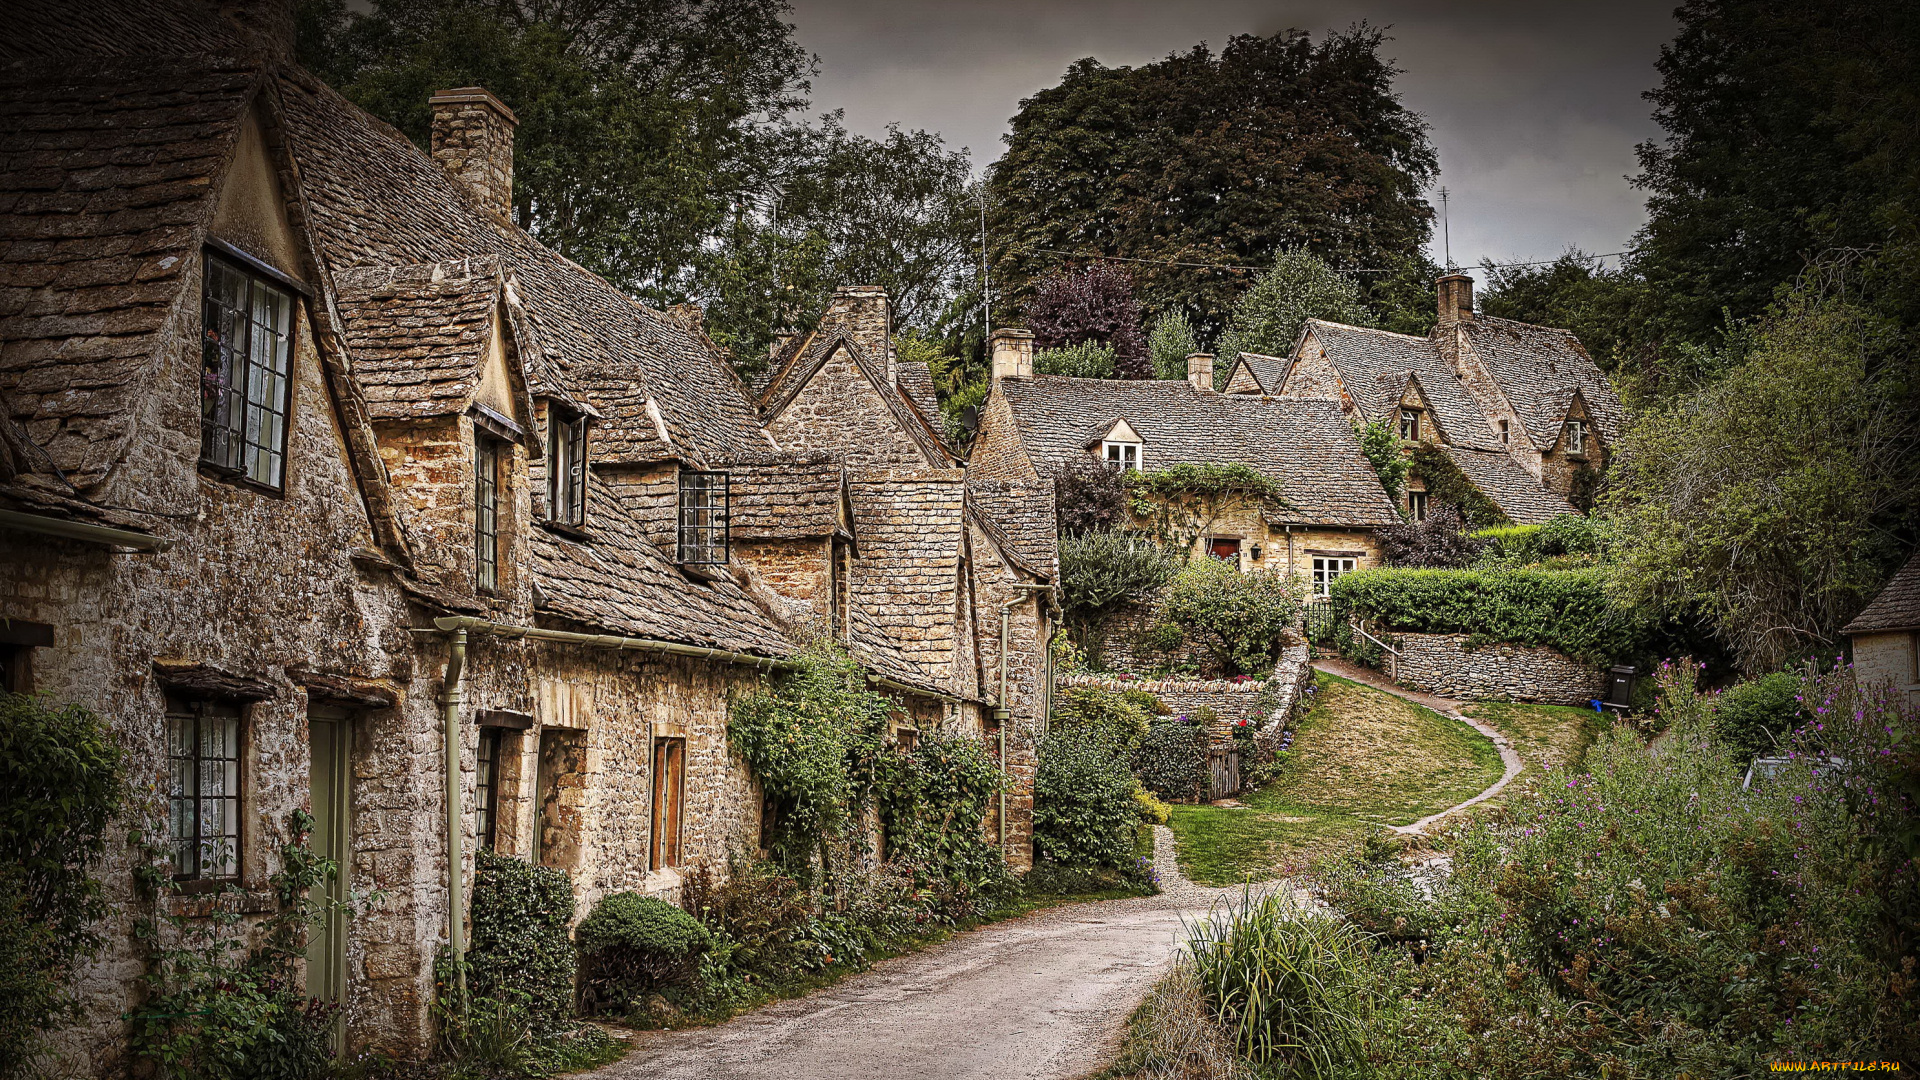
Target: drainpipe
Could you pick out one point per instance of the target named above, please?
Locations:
(450, 704)
(1001, 711)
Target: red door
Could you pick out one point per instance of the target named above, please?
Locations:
(1225, 549)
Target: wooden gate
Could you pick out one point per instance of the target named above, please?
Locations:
(1223, 773)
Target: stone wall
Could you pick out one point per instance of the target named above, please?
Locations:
(1231, 701)
(1442, 664)
(840, 410)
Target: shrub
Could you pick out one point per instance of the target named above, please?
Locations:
(62, 780)
(1438, 542)
(1087, 360)
(1172, 760)
(1750, 717)
(1082, 803)
(521, 950)
(1089, 496)
(1380, 445)
(758, 912)
(632, 945)
(1565, 609)
(932, 804)
(1563, 536)
(1151, 810)
(1114, 720)
(1237, 616)
(1290, 987)
(1102, 571)
(1447, 484)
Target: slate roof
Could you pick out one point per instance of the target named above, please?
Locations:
(783, 496)
(1375, 364)
(1897, 607)
(105, 170)
(1267, 371)
(1512, 488)
(910, 524)
(916, 381)
(1537, 368)
(1309, 446)
(1021, 515)
(418, 334)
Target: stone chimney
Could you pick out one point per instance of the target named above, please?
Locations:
(1200, 370)
(1456, 299)
(1012, 353)
(865, 314)
(473, 142)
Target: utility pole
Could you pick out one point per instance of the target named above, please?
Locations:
(1446, 232)
(986, 298)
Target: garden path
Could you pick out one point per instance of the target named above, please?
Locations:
(1448, 707)
(1044, 997)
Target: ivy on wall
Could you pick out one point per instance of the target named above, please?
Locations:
(1446, 483)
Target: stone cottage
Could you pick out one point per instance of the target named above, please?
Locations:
(1521, 410)
(334, 490)
(1331, 501)
(1886, 636)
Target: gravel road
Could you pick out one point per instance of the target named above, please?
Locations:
(1045, 996)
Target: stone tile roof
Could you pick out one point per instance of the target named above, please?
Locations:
(418, 334)
(916, 381)
(1897, 607)
(910, 526)
(623, 584)
(105, 170)
(1512, 488)
(1020, 516)
(783, 496)
(1309, 446)
(1538, 368)
(1375, 364)
(1267, 371)
(804, 359)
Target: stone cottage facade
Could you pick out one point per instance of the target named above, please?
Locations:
(1886, 635)
(335, 491)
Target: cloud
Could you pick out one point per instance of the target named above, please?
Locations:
(1535, 108)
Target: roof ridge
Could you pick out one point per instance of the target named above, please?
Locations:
(1421, 338)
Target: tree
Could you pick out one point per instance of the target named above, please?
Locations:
(1301, 286)
(1237, 616)
(1089, 495)
(1774, 501)
(1170, 344)
(1274, 142)
(1607, 309)
(1085, 361)
(1091, 306)
(1439, 542)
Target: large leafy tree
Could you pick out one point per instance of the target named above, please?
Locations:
(1301, 286)
(1227, 158)
(1091, 306)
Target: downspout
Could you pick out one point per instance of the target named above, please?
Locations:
(450, 704)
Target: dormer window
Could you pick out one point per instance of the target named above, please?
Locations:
(566, 468)
(1410, 423)
(1576, 437)
(1122, 455)
(1506, 432)
(246, 353)
(704, 538)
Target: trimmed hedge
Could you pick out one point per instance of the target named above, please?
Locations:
(1172, 760)
(631, 945)
(520, 947)
(1083, 809)
(1562, 609)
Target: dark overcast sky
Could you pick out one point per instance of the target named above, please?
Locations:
(1535, 107)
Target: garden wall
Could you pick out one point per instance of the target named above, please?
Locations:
(1231, 701)
(1443, 664)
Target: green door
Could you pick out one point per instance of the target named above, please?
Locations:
(331, 734)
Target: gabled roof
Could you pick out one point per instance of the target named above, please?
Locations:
(1537, 367)
(1309, 446)
(1019, 517)
(812, 354)
(1512, 488)
(106, 174)
(784, 496)
(1374, 365)
(911, 527)
(1897, 607)
(1268, 371)
(916, 381)
(418, 334)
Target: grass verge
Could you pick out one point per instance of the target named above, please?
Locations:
(1361, 759)
(1546, 737)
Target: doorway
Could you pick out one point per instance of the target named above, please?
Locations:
(330, 735)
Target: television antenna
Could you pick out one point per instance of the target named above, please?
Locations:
(1446, 232)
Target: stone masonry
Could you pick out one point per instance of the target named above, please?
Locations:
(1442, 664)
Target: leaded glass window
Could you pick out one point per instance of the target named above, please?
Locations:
(204, 796)
(566, 468)
(486, 512)
(703, 517)
(245, 383)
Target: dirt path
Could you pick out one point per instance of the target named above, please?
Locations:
(1041, 997)
(1448, 707)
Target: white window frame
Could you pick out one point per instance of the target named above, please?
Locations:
(1576, 437)
(1506, 432)
(1327, 569)
(1410, 424)
(1126, 455)
(1416, 506)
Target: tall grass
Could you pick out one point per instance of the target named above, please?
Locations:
(1287, 984)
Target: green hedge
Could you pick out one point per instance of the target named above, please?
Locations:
(520, 947)
(1564, 609)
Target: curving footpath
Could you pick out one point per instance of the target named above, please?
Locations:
(1044, 997)
(1447, 707)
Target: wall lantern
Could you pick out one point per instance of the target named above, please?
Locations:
(1256, 553)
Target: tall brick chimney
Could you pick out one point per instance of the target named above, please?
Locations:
(1456, 299)
(473, 142)
(1200, 370)
(1012, 353)
(865, 313)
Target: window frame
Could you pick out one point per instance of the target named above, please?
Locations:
(1410, 424)
(668, 762)
(1576, 437)
(1506, 433)
(237, 468)
(567, 445)
(694, 540)
(1325, 575)
(1416, 506)
(486, 788)
(1118, 451)
(486, 511)
(197, 711)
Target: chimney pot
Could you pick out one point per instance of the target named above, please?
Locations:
(1200, 370)
(1012, 354)
(473, 142)
(1456, 299)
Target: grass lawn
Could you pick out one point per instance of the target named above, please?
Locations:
(1545, 736)
(1360, 759)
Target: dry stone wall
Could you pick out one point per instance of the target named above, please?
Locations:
(1443, 664)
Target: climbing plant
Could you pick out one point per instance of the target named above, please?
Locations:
(1182, 502)
(1381, 447)
(1446, 483)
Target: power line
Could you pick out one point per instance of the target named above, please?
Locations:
(1257, 269)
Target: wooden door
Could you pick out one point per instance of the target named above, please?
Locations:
(329, 732)
(669, 795)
